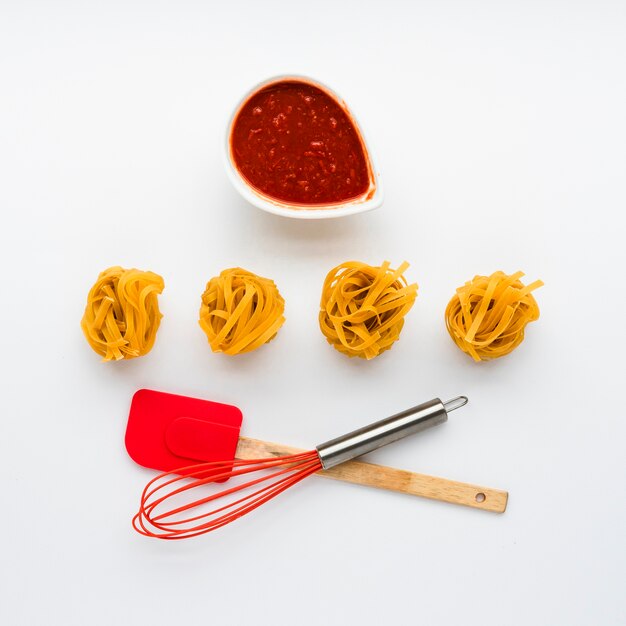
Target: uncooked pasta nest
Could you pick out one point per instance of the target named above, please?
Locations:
(363, 307)
(487, 316)
(240, 311)
(122, 314)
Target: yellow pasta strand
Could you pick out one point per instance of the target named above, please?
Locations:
(487, 316)
(240, 311)
(363, 307)
(122, 315)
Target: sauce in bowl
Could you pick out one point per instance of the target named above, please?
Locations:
(293, 142)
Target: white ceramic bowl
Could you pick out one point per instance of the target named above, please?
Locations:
(368, 201)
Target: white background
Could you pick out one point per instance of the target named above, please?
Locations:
(500, 133)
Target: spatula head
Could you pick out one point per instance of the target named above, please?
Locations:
(166, 431)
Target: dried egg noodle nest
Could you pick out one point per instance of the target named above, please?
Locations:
(487, 316)
(240, 311)
(363, 307)
(122, 315)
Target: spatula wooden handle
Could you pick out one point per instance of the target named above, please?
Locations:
(389, 478)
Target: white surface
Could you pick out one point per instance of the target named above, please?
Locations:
(500, 133)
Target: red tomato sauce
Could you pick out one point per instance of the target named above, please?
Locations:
(293, 142)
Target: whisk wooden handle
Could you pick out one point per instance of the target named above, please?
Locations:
(384, 477)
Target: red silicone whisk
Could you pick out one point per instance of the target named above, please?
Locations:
(165, 512)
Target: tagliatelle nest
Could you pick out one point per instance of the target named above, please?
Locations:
(122, 315)
(487, 316)
(363, 307)
(240, 311)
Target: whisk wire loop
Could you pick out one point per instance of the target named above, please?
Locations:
(287, 471)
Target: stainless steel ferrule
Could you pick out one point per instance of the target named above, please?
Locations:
(385, 431)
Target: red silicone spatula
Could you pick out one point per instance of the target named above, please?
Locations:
(166, 431)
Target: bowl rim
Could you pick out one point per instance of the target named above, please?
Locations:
(325, 211)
